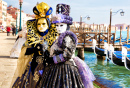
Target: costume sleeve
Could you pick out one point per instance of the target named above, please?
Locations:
(30, 51)
(33, 49)
(68, 47)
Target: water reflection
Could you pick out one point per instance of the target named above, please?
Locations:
(117, 76)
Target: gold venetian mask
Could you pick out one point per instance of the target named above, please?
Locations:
(42, 25)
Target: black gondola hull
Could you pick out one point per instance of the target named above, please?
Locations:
(99, 52)
(127, 63)
(117, 60)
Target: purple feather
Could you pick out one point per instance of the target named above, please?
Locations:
(62, 36)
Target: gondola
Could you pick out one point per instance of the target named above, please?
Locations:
(99, 51)
(118, 38)
(127, 62)
(122, 40)
(127, 45)
(117, 58)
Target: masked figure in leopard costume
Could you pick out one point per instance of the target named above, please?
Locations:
(33, 57)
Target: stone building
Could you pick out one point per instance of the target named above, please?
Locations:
(3, 13)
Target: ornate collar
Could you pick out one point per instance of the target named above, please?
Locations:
(43, 33)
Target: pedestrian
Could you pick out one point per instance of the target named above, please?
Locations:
(2, 29)
(16, 49)
(8, 30)
(13, 30)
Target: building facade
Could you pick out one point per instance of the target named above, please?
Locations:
(10, 20)
(4, 13)
(15, 12)
(11, 16)
(124, 26)
(0, 12)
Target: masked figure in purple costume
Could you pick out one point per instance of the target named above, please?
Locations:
(33, 57)
(64, 69)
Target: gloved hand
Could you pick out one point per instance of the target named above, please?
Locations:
(67, 54)
(38, 47)
(47, 57)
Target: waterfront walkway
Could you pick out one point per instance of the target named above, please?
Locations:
(7, 64)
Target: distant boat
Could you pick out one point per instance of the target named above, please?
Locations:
(118, 38)
(122, 40)
(127, 45)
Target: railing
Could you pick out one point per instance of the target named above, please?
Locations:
(85, 38)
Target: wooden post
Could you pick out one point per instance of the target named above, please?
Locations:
(80, 29)
(84, 39)
(81, 53)
(99, 35)
(99, 40)
(114, 40)
(115, 33)
(120, 33)
(96, 33)
(127, 34)
(81, 23)
(105, 29)
(108, 35)
(110, 23)
(93, 27)
(97, 28)
(95, 36)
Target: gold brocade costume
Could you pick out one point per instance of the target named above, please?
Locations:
(33, 38)
(41, 10)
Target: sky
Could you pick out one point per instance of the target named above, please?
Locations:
(97, 10)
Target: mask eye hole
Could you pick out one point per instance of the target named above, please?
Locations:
(43, 23)
(38, 24)
(61, 25)
(56, 25)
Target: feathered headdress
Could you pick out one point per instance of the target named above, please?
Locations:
(42, 10)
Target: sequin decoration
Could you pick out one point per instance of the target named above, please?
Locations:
(33, 37)
(39, 59)
(36, 76)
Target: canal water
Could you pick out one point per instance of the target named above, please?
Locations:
(108, 74)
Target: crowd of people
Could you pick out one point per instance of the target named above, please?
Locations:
(9, 29)
(46, 52)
